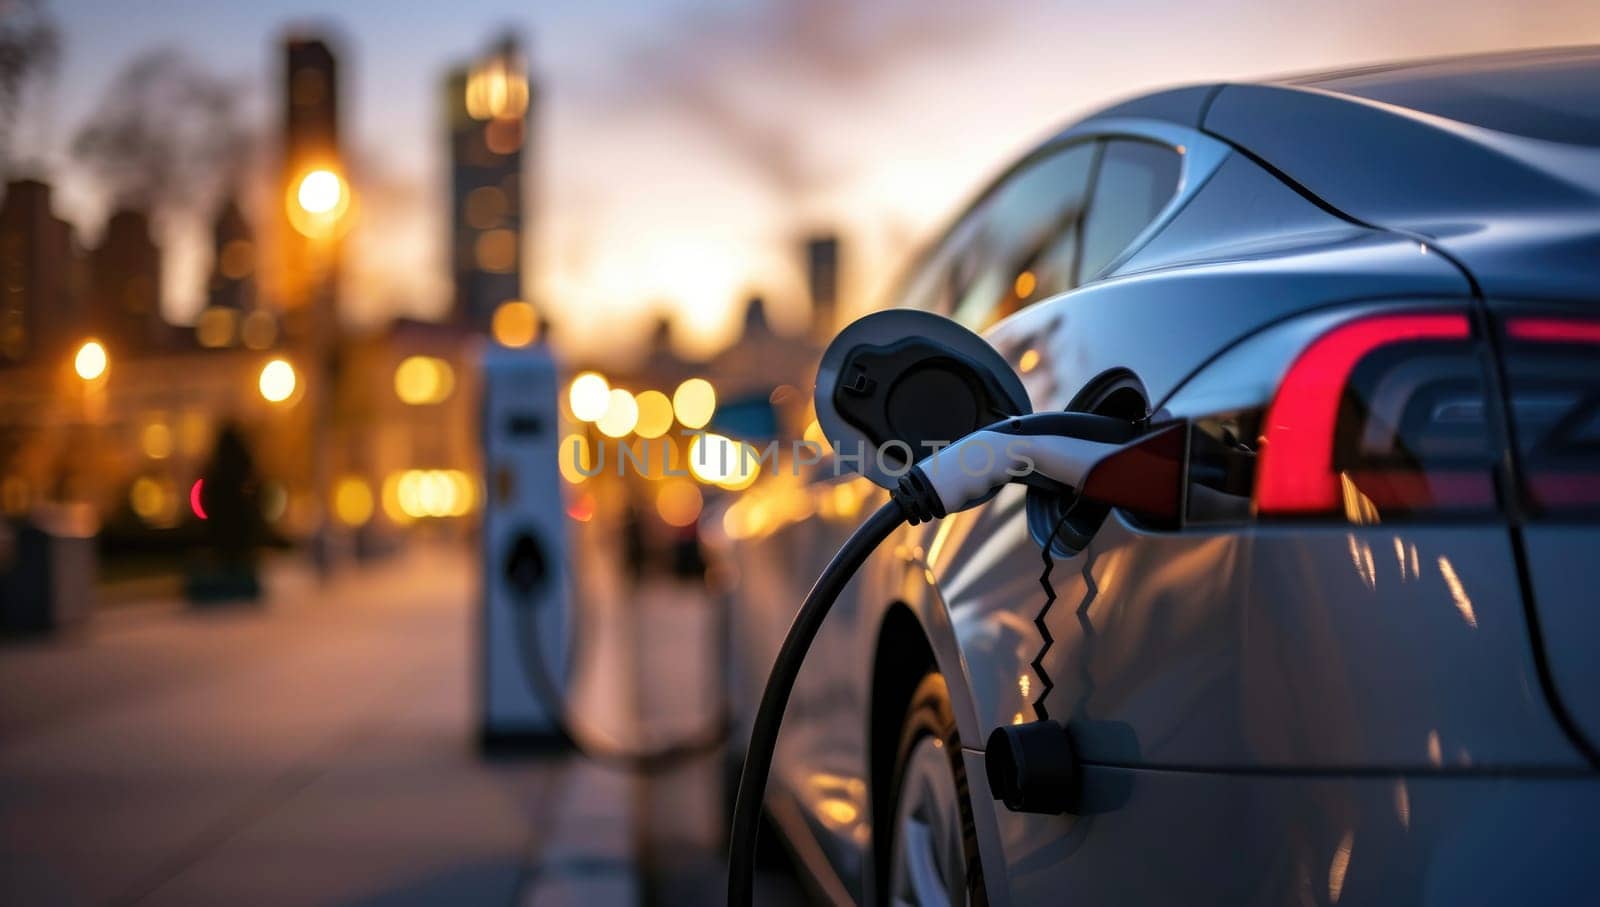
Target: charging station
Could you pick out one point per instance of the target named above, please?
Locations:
(525, 625)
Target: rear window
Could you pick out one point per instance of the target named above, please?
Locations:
(1134, 182)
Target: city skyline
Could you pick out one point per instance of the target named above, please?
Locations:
(746, 166)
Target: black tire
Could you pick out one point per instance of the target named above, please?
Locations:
(929, 714)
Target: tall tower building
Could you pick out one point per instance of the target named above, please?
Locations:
(488, 107)
(315, 213)
(822, 284)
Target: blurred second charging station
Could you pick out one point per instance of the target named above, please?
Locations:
(525, 624)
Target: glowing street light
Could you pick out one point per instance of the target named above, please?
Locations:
(515, 323)
(621, 415)
(91, 362)
(588, 397)
(420, 380)
(317, 202)
(655, 414)
(277, 381)
(694, 402)
(320, 192)
(352, 501)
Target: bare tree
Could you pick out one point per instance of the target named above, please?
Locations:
(30, 48)
(166, 134)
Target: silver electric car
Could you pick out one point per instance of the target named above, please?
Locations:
(1364, 666)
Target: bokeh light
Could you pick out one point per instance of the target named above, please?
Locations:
(588, 397)
(485, 207)
(817, 436)
(418, 493)
(259, 330)
(582, 507)
(320, 192)
(678, 502)
(496, 251)
(694, 402)
(274, 501)
(515, 324)
(352, 501)
(197, 493)
(216, 327)
(392, 507)
(91, 361)
(156, 440)
(421, 380)
(278, 381)
(655, 414)
(621, 415)
(713, 457)
(496, 91)
(745, 469)
(575, 458)
(153, 500)
(318, 202)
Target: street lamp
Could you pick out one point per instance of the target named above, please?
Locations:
(318, 202)
(91, 361)
(277, 381)
(320, 207)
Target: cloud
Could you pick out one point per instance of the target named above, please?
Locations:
(740, 73)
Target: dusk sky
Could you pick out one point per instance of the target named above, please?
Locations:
(685, 146)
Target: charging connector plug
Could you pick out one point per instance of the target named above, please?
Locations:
(1044, 450)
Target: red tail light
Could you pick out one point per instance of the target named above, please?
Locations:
(1385, 412)
(1555, 330)
(1554, 392)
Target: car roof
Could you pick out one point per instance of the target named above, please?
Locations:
(1550, 94)
(1421, 145)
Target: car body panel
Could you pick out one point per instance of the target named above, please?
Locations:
(1563, 574)
(1281, 648)
(1199, 838)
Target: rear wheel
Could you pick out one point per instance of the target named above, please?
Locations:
(934, 855)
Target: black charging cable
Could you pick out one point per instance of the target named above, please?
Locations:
(916, 500)
(769, 715)
(591, 745)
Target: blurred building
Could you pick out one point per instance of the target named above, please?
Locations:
(125, 288)
(822, 283)
(308, 266)
(407, 433)
(488, 112)
(235, 314)
(233, 262)
(40, 275)
(356, 437)
(662, 366)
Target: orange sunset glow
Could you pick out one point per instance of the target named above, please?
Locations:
(760, 121)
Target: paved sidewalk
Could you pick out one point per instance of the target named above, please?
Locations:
(315, 751)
